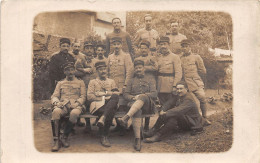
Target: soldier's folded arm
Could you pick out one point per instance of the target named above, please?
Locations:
(91, 96)
(79, 70)
(185, 106)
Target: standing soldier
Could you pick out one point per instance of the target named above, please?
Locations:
(100, 51)
(126, 40)
(147, 34)
(169, 71)
(150, 68)
(103, 94)
(193, 70)
(58, 60)
(68, 98)
(175, 38)
(76, 51)
(119, 69)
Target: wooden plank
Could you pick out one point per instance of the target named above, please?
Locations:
(117, 115)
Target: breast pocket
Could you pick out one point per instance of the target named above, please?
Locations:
(75, 89)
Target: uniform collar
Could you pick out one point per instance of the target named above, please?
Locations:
(117, 31)
(140, 76)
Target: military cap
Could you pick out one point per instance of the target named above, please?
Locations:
(138, 62)
(116, 39)
(145, 42)
(64, 40)
(164, 39)
(88, 43)
(100, 64)
(99, 44)
(186, 41)
(68, 65)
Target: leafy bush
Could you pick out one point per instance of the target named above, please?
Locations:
(206, 29)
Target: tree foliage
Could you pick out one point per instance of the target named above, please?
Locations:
(205, 29)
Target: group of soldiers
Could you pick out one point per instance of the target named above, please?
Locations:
(103, 79)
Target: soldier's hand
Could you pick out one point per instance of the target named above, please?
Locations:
(74, 105)
(59, 104)
(162, 114)
(68, 105)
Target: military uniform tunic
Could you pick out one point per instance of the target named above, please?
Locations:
(169, 72)
(141, 85)
(126, 42)
(150, 66)
(69, 92)
(86, 77)
(192, 66)
(175, 42)
(119, 67)
(150, 36)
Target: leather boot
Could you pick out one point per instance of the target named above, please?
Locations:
(101, 121)
(56, 135)
(65, 141)
(155, 138)
(146, 124)
(105, 142)
(149, 133)
(123, 121)
(206, 122)
(137, 144)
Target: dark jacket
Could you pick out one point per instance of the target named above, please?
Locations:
(186, 108)
(56, 72)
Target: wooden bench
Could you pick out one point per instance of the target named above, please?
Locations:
(117, 115)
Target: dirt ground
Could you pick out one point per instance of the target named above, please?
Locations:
(215, 138)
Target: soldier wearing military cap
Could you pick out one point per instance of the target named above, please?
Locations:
(175, 37)
(139, 92)
(119, 64)
(103, 95)
(150, 67)
(68, 99)
(169, 70)
(57, 60)
(193, 73)
(100, 51)
(147, 33)
(127, 46)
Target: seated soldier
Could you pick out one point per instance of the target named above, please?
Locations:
(103, 95)
(185, 115)
(139, 93)
(68, 98)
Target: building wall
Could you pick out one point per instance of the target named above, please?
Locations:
(66, 24)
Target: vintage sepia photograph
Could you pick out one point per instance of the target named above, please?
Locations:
(132, 81)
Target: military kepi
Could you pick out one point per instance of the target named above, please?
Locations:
(88, 43)
(100, 64)
(164, 39)
(68, 65)
(116, 39)
(138, 62)
(145, 42)
(64, 40)
(185, 41)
